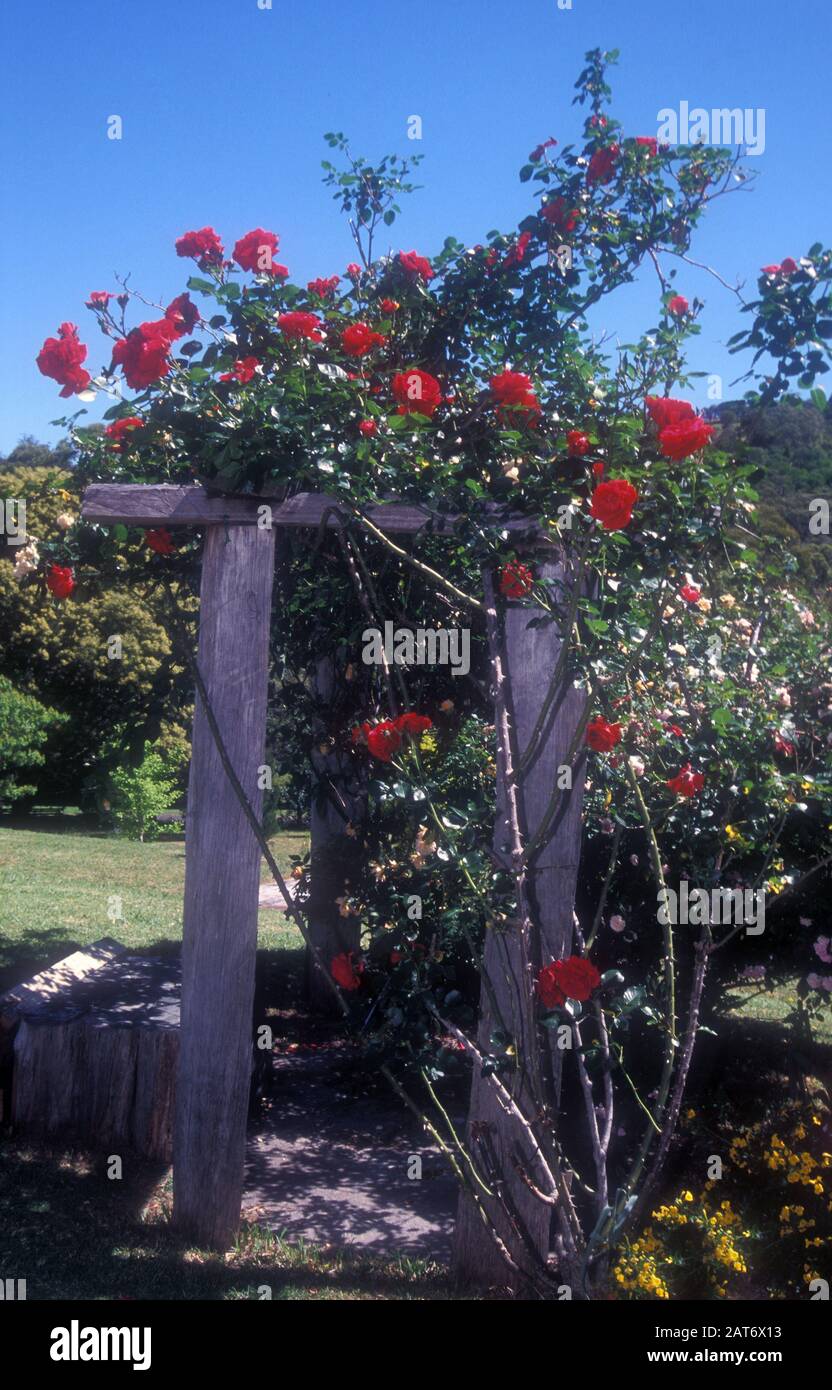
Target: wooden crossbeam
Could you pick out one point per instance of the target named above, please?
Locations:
(167, 504)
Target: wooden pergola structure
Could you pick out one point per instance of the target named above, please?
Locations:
(223, 853)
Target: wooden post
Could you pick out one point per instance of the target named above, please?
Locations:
(531, 655)
(222, 873)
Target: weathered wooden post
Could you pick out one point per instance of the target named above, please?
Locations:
(531, 656)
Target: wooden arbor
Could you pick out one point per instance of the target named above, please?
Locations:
(222, 851)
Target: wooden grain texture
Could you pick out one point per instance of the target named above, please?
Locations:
(531, 658)
(170, 505)
(221, 886)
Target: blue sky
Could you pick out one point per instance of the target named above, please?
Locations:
(224, 106)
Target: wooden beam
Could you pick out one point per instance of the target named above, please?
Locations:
(167, 504)
(222, 871)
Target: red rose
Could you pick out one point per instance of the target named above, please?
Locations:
(782, 745)
(417, 392)
(602, 164)
(389, 306)
(353, 270)
(299, 324)
(771, 270)
(368, 427)
(518, 251)
(412, 725)
(256, 251)
(598, 470)
(516, 580)
(345, 972)
(680, 441)
(577, 444)
(612, 504)
(686, 783)
(99, 299)
(358, 339)
(574, 978)
(204, 246)
(59, 581)
(160, 540)
(61, 359)
(117, 431)
(513, 391)
(242, 371)
(560, 215)
(690, 594)
(384, 741)
(602, 736)
(788, 266)
(324, 288)
(143, 354)
(664, 411)
(182, 314)
(648, 142)
(678, 306)
(416, 265)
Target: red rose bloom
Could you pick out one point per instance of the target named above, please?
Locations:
(648, 142)
(678, 442)
(602, 736)
(160, 540)
(353, 270)
(118, 430)
(99, 299)
(143, 354)
(560, 215)
(690, 593)
(324, 288)
(598, 469)
(384, 741)
(516, 580)
(358, 339)
(788, 266)
(539, 152)
(345, 972)
(299, 324)
(664, 411)
(686, 783)
(368, 427)
(59, 581)
(61, 359)
(602, 164)
(513, 391)
(574, 978)
(242, 371)
(182, 314)
(417, 392)
(412, 725)
(518, 251)
(612, 504)
(577, 444)
(782, 745)
(256, 251)
(678, 306)
(416, 265)
(389, 306)
(204, 246)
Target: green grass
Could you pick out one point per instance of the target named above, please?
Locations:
(774, 1006)
(56, 886)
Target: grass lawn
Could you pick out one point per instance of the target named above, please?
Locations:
(57, 883)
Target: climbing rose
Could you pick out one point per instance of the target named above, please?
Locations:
(299, 324)
(61, 359)
(680, 441)
(204, 246)
(602, 164)
(416, 265)
(324, 288)
(160, 540)
(598, 469)
(353, 270)
(665, 411)
(242, 371)
(99, 299)
(560, 215)
(577, 443)
(117, 431)
(368, 427)
(690, 593)
(417, 392)
(413, 724)
(59, 581)
(182, 314)
(540, 150)
(678, 306)
(143, 354)
(390, 306)
(648, 142)
(517, 252)
(256, 251)
(358, 339)
(384, 741)
(516, 580)
(514, 392)
(601, 736)
(346, 973)
(686, 783)
(612, 504)
(574, 978)
(782, 745)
